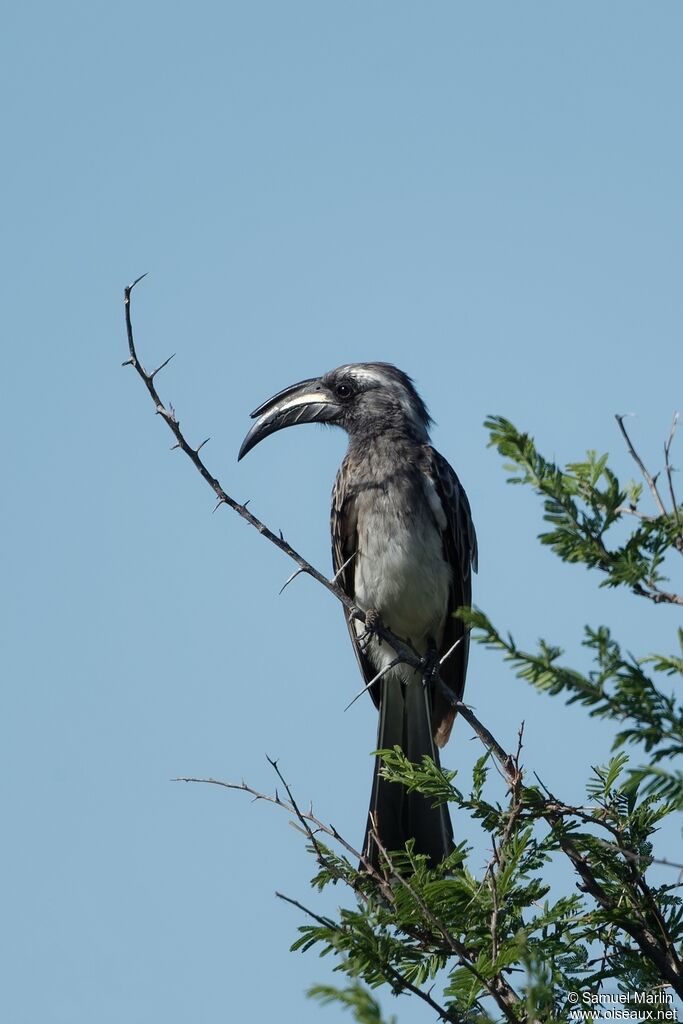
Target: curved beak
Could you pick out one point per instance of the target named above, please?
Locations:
(309, 401)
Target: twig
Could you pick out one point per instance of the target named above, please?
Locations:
(650, 480)
(638, 857)
(669, 476)
(627, 510)
(655, 594)
(310, 825)
(506, 761)
(305, 816)
(669, 471)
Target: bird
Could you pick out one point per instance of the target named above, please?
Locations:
(403, 548)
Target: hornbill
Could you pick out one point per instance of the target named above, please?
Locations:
(404, 547)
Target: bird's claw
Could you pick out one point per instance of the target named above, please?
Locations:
(430, 665)
(372, 625)
(431, 677)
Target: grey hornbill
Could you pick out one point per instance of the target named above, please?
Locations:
(402, 530)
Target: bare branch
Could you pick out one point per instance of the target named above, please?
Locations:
(309, 822)
(628, 510)
(506, 761)
(312, 822)
(669, 470)
(669, 476)
(654, 593)
(650, 480)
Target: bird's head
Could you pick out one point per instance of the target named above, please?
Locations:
(366, 399)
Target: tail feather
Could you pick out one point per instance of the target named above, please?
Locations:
(398, 815)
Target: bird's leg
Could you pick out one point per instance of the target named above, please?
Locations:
(430, 664)
(372, 624)
(430, 672)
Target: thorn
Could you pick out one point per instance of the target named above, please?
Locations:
(197, 450)
(174, 446)
(281, 536)
(128, 362)
(165, 363)
(129, 289)
(451, 649)
(387, 668)
(221, 501)
(341, 568)
(244, 505)
(297, 572)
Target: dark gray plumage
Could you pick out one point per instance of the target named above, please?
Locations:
(401, 520)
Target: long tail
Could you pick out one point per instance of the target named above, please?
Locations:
(405, 719)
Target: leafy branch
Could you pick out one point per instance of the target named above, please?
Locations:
(584, 501)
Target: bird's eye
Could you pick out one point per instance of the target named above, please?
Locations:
(343, 391)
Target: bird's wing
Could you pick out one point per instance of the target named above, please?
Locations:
(460, 551)
(344, 547)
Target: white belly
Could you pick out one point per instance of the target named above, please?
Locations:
(400, 571)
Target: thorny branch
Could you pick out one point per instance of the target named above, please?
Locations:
(651, 481)
(310, 824)
(669, 472)
(660, 952)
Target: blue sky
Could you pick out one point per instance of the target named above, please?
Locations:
(488, 195)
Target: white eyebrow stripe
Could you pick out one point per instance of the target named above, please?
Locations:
(362, 374)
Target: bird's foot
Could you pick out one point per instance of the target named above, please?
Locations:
(373, 623)
(431, 677)
(430, 665)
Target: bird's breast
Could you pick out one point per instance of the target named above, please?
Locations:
(400, 568)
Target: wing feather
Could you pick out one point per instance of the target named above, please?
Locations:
(344, 546)
(460, 551)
